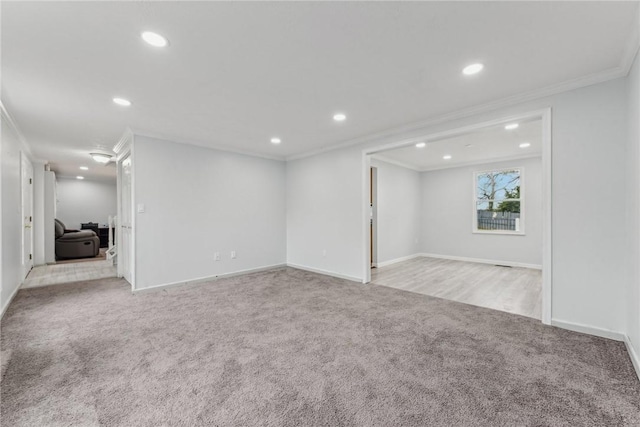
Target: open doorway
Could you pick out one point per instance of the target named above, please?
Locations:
(77, 213)
(465, 215)
(85, 210)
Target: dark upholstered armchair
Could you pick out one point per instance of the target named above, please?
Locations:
(75, 243)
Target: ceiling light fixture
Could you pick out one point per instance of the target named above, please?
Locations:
(79, 177)
(84, 168)
(101, 157)
(339, 117)
(122, 102)
(447, 157)
(421, 144)
(276, 140)
(154, 39)
(525, 145)
(472, 69)
(511, 126)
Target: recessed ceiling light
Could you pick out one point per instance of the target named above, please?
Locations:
(447, 157)
(525, 145)
(275, 140)
(121, 101)
(84, 168)
(421, 144)
(339, 117)
(511, 126)
(472, 69)
(154, 39)
(79, 177)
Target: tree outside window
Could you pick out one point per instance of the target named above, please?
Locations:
(498, 202)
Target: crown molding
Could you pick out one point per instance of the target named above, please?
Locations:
(592, 79)
(111, 180)
(164, 137)
(12, 123)
(622, 70)
(382, 158)
(633, 45)
(629, 53)
(124, 141)
(484, 162)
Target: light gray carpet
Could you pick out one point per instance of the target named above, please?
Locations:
(291, 348)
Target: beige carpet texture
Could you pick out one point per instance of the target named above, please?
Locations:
(291, 348)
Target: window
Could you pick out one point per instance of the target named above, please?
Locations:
(498, 203)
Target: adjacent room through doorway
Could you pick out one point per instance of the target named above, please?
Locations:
(461, 217)
(79, 225)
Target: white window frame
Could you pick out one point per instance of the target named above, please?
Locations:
(474, 210)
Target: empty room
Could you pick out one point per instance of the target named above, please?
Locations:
(460, 218)
(320, 213)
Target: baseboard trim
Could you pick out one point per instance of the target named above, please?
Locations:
(8, 303)
(483, 261)
(206, 279)
(633, 354)
(393, 261)
(324, 272)
(586, 329)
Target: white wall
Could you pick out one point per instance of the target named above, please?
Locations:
(200, 201)
(589, 252)
(633, 207)
(324, 213)
(398, 211)
(447, 211)
(85, 201)
(11, 237)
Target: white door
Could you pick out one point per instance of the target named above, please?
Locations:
(27, 215)
(125, 257)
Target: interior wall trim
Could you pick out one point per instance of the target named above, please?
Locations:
(633, 354)
(207, 279)
(124, 142)
(382, 158)
(397, 260)
(218, 147)
(622, 70)
(588, 329)
(324, 272)
(484, 261)
(8, 303)
(25, 147)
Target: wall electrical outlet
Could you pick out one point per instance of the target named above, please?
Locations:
(216, 256)
(233, 254)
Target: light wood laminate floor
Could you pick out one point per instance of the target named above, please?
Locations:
(54, 274)
(510, 289)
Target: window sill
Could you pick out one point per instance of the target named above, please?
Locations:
(500, 232)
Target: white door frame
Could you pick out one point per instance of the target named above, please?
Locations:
(547, 235)
(374, 215)
(124, 150)
(26, 216)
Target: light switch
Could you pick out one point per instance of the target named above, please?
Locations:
(141, 208)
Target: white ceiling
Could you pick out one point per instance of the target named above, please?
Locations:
(237, 73)
(492, 143)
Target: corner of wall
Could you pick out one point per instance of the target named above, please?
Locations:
(634, 354)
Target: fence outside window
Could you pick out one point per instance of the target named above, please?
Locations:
(490, 220)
